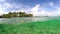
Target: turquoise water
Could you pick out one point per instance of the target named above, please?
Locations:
(43, 25)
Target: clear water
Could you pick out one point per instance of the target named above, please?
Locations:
(23, 19)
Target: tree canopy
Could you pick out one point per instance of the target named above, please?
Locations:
(16, 14)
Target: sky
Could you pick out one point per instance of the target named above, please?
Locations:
(35, 7)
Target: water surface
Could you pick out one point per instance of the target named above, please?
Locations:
(23, 19)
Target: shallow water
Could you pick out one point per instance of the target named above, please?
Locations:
(23, 19)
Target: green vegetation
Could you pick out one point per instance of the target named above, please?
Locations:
(16, 14)
(39, 27)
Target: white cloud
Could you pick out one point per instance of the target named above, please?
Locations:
(58, 11)
(17, 11)
(7, 5)
(35, 9)
(3, 12)
(42, 12)
(51, 4)
(4, 7)
(38, 11)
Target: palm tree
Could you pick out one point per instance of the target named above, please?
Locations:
(16, 14)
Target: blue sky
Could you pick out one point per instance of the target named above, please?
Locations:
(36, 7)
